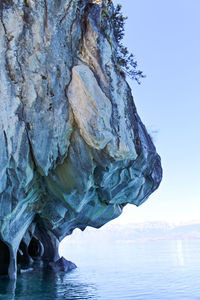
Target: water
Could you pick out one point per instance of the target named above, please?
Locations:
(141, 270)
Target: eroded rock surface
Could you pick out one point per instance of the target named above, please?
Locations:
(62, 265)
(73, 149)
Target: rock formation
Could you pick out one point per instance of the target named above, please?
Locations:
(73, 149)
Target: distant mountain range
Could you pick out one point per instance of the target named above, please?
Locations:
(137, 232)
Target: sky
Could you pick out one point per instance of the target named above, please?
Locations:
(164, 37)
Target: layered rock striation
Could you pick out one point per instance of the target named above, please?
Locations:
(73, 149)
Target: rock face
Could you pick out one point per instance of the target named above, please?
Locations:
(62, 265)
(73, 149)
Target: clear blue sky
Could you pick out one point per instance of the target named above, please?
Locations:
(165, 38)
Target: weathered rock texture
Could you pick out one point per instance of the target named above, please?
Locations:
(73, 149)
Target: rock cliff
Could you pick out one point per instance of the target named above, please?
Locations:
(73, 149)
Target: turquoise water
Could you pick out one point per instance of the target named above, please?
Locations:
(143, 270)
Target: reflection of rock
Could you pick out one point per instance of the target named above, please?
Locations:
(73, 150)
(62, 265)
(7, 289)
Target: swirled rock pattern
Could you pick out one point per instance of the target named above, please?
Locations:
(73, 149)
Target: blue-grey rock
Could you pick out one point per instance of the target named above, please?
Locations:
(73, 150)
(62, 265)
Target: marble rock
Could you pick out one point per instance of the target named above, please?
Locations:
(73, 149)
(62, 265)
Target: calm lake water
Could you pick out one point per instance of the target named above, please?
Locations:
(141, 270)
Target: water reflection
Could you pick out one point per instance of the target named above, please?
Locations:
(42, 284)
(7, 289)
(180, 256)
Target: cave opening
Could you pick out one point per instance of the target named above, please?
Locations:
(23, 257)
(35, 249)
(4, 258)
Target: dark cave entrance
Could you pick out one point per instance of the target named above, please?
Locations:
(35, 249)
(23, 257)
(4, 258)
(27, 253)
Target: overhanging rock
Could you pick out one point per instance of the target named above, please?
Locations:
(73, 149)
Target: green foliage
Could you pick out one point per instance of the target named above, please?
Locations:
(125, 60)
